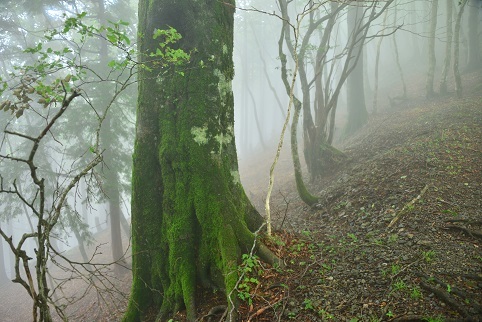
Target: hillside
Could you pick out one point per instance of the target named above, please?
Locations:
(397, 235)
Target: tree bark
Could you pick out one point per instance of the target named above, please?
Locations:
(191, 219)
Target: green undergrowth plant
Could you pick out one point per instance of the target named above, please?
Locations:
(416, 293)
(429, 256)
(250, 269)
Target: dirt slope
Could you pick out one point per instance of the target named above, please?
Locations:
(397, 234)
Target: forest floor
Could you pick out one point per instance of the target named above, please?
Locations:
(396, 236)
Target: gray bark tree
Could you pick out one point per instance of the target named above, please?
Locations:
(3, 271)
(474, 61)
(448, 48)
(458, 80)
(357, 110)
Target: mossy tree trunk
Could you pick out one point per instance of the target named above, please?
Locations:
(191, 219)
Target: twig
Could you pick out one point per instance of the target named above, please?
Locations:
(407, 206)
(264, 308)
(286, 210)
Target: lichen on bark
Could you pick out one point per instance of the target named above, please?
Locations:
(191, 220)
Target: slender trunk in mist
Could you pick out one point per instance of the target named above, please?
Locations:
(115, 228)
(397, 56)
(268, 79)
(125, 224)
(3, 271)
(303, 192)
(11, 255)
(366, 76)
(448, 49)
(357, 111)
(458, 80)
(71, 218)
(245, 136)
(415, 35)
(473, 34)
(255, 113)
(377, 63)
(111, 184)
(431, 50)
(85, 202)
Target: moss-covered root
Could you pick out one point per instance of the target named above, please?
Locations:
(230, 253)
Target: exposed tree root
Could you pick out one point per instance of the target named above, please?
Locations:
(421, 318)
(460, 293)
(469, 232)
(446, 298)
(470, 222)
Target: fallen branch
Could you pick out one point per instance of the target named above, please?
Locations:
(407, 206)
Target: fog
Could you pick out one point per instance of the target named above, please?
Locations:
(399, 36)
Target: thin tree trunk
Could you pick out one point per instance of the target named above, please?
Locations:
(3, 271)
(431, 50)
(357, 111)
(377, 63)
(11, 256)
(458, 80)
(415, 35)
(448, 49)
(255, 113)
(115, 230)
(268, 79)
(111, 184)
(126, 227)
(303, 192)
(397, 56)
(473, 35)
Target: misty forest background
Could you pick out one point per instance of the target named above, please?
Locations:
(68, 118)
